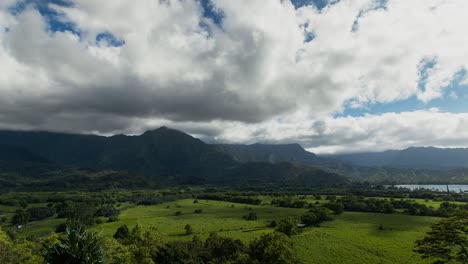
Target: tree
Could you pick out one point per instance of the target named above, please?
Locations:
(177, 253)
(273, 224)
(144, 244)
(18, 252)
(309, 218)
(83, 213)
(122, 233)
(337, 208)
(107, 211)
(447, 241)
(39, 213)
(251, 216)
(223, 249)
(21, 217)
(275, 248)
(322, 213)
(188, 229)
(75, 247)
(115, 252)
(287, 226)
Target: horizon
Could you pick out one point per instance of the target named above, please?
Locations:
(335, 76)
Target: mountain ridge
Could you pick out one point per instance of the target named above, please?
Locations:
(162, 156)
(428, 157)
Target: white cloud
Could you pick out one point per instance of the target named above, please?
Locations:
(350, 134)
(256, 76)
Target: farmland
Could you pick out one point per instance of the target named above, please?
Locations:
(350, 238)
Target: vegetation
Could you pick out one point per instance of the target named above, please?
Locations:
(321, 231)
(447, 241)
(18, 251)
(287, 226)
(76, 246)
(188, 229)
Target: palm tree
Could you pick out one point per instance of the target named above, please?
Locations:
(76, 247)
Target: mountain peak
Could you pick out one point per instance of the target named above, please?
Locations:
(163, 130)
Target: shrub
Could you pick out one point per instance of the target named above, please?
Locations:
(272, 248)
(337, 208)
(251, 216)
(287, 226)
(21, 217)
(122, 233)
(188, 229)
(39, 213)
(113, 218)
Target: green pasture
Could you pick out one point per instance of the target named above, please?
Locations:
(225, 218)
(355, 238)
(350, 238)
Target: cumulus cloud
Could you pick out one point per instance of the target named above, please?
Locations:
(268, 71)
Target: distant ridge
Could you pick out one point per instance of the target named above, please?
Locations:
(413, 157)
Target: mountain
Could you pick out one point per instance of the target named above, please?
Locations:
(12, 154)
(369, 167)
(292, 153)
(160, 156)
(414, 157)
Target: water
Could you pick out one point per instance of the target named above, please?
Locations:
(436, 187)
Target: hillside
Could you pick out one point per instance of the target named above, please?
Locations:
(157, 157)
(422, 165)
(293, 153)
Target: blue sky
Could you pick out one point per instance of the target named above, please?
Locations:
(454, 100)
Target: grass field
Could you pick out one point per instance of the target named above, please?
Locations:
(355, 238)
(222, 217)
(351, 238)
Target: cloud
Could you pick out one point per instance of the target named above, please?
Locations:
(430, 127)
(125, 66)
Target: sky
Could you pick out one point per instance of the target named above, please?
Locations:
(332, 75)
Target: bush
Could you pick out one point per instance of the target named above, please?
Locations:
(337, 208)
(107, 211)
(21, 217)
(272, 248)
(287, 226)
(188, 229)
(251, 216)
(39, 213)
(122, 233)
(273, 224)
(198, 211)
(113, 218)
